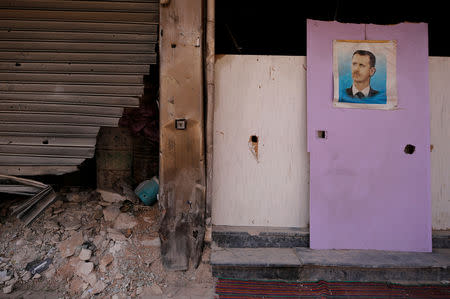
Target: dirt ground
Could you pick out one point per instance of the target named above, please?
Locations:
(89, 244)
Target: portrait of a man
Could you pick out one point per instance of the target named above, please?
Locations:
(363, 68)
(364, 74)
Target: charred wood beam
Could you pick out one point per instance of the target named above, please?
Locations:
(182, 168)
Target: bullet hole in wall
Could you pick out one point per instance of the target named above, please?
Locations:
(321, 134)
(253, 146)
(410, 149)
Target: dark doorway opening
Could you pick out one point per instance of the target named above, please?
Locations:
(279, 27)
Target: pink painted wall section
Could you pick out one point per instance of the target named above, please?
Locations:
(365, 192)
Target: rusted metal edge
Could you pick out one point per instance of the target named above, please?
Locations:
(33, 206)
(27, 182)
(38, 170)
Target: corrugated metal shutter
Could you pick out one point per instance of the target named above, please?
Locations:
(67, 68)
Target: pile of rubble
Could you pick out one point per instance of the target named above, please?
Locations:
(87, 244)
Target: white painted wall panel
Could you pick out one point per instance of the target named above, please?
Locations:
(440, 140)
(263, 96)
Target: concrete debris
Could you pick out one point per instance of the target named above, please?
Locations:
(124, 187)
(68, 247)
(73, 197)
(88, 245)
(105, 261)
(156, 242)
(85, 268)
(110, 213)
(119, 276)
(110, 197)
(50, 273)
(20, 242)
(117, 247)
(91, 279)
(77, 285)
(70, 223)
(4, 276)
(85, 247)
(98, 287)
(86, 294)
(139, 290)
(85, 254)
(8, 289)
(155, 289)
(124, 221)
(26, 276)
(115, 235)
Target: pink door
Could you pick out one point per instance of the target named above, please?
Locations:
(366, 192)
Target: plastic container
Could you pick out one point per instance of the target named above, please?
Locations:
(147, 191)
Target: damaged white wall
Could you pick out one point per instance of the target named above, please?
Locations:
(440, 141)
(265, 96)
(263, 182)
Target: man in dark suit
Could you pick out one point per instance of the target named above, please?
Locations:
(363, 68)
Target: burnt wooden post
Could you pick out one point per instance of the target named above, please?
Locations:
(182, 169)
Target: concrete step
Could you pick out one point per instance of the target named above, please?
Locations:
(306, 264)
(283, 237)
(441, 239)
(260, 236)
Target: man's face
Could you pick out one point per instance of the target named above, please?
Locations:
(361, 69)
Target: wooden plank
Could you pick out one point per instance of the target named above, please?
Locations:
(112, 101)
(77, 57)
(70, 78)
(126, 90)
(61, 109)
(45, 150)
(69, 119)
(80, 47)
(97, 16)
(182, 172)
(45, 36)
(46, 130)
(12, 160)
(38, 170)
(48, 140)
(75, 68)
(74, 26)
(80, 5)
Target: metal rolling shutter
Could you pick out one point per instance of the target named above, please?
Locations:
(67, 68)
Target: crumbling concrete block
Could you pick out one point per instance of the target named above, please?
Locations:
(68, 247)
